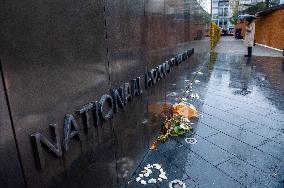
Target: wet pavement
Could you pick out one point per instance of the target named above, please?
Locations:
(240, 134)
(225, 46)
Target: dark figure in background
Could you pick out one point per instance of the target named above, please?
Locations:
(238, 33)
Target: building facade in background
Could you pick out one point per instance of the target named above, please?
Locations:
(244, 4)
(222, 10)
(222, 13)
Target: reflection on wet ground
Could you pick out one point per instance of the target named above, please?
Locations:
(240, 135)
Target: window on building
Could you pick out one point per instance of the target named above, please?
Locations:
(215, 11)
(220, 12)
(225, 11)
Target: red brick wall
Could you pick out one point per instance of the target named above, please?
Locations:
(270, 29)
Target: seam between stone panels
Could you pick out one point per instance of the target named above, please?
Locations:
(109, 84)
(231, 109)
(210, 135)
(260, 134)
(225, 161)
(266, 141)
(238, 157)
(106, 43)
(189, 179)
(271, 113)
(221, 108)
(273, 118)
(12, 123)
(241, 141)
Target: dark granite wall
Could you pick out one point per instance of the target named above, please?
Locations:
(57, 56)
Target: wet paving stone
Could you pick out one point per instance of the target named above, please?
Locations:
(279, 138)
(208, 151)
(219, 102)
(191, 183)
(275, 149)
(202, 173)
(154, 157)
(257, 118)
(204, 131)
(259, 129)
(276, 101)
(171, 144)
(246, 174)
(239, 133)
(263, 161)
(251, 108)
(220, 114)
(134, 184)
(219, 124)
(276, 184)
(279, 116)
(279, 175)
(230, 96)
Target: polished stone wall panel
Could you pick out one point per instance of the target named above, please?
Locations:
(58, 56)
(53, 57)
(126, 32)
(10, 169)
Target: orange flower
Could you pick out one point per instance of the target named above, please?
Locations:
(184, 110)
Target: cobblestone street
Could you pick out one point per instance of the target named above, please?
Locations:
(240, 132)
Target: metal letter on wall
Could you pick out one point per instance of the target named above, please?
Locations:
(161, 72)
(71, 130)
(106, 98)
(127, 93)
(85, 110)
(148, 79)
(135, 87)
(38, 140)
(96, 113)
(154, 73)
(118, 98)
